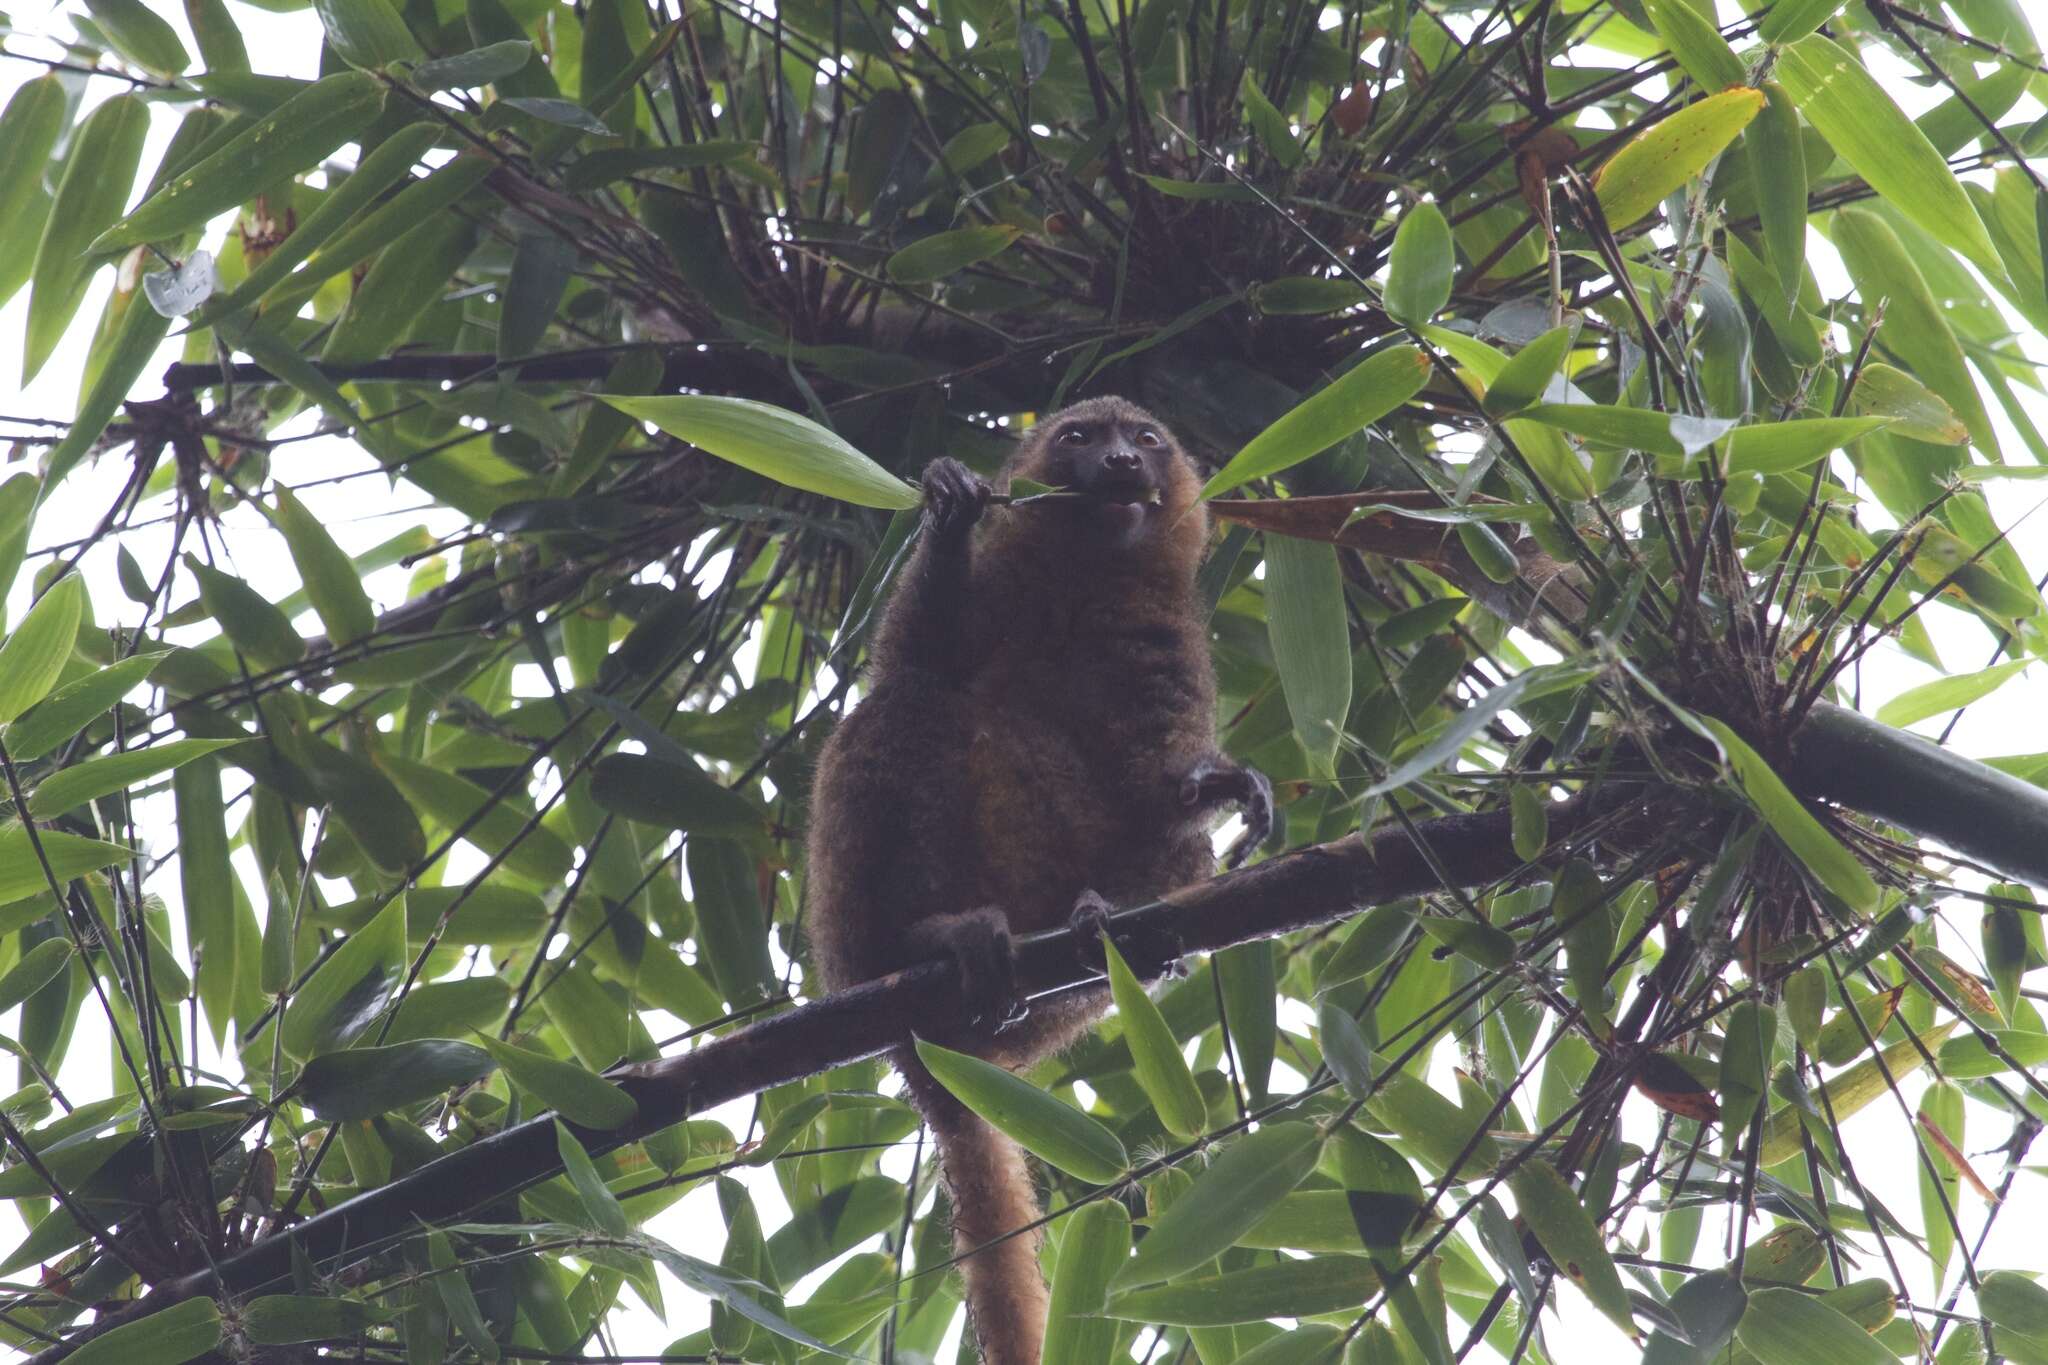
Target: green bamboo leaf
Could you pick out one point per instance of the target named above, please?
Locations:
(293, 138)
(1269, 123)
(363, 1082)
(1042, 1124)
(1420, 265)
(66, 711)
(1529, 814)
(97, 177)
(1790, 20)
(773, 442)
(71, 1161)
(1307, 1220)
(2004, 936)
(1806, 992)
(1528, 375)
(730, 920)
(1916, 325)
(18, 496)
(118, 357)
(1249, 978)
(1306, 621)
(1345, 1049)
(458, 1300)
(1227, 1199)
(1940, 1116)
(583, 1097)
(205, 881)
(1437, 1129)
(332, 583)
(1659, 433)
(543, 263)
(596, 169)
(1777, 161)
(99, 170)
(1698, 45)
(287, 1319)
(1449, 739)
(947, 253)
(367, 33)
(1585, 919)
(366, 801)
(1479, 943)
(478, 67)
(1914, 411)
(1373, 940)
(1803, 836)
(88, 781)
(278, 957)
(70, 855)
(1882, 145)
(446, 1008)
(1562, 469)
(29, 129)
(38, 968)
(2014, 1301)
(1155, 1056)
(182, 1332)
(347, 992)
(1947, 694)
(1670, 152)
(601, 1207)
(1093, 1248)
(1941, 556)
(424, 200)
(1314, 1343)
(972, 147)
(1357, 398)
(34, 654)
(1782, 447)
(221, 48)
(497, 826)
(407, 278)
(141, 35)
(258, 629)
(1301, 1288)
(1227, 190)
(1307, 295)
(1786, 1327)
(1747, 1041)
(1709, 1305)
(1848, 1092)
(1571, 1239)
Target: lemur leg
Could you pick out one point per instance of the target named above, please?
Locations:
(1216, 781)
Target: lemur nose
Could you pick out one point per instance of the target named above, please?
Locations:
(1120, 461)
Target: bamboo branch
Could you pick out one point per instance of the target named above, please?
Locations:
(1312, 886)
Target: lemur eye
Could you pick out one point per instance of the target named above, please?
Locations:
(1148, 437)
(1073, 436)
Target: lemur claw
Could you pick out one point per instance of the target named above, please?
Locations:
(1216, 781)
(954, 497)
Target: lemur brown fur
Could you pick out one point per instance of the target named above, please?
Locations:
(1037, 738)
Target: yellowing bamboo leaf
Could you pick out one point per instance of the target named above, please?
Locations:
(1670, 152)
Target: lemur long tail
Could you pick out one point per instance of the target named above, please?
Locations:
(992, 1196)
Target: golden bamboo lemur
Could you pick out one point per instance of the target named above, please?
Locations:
(1037, 738)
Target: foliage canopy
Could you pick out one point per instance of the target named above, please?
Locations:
(1589, 388)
